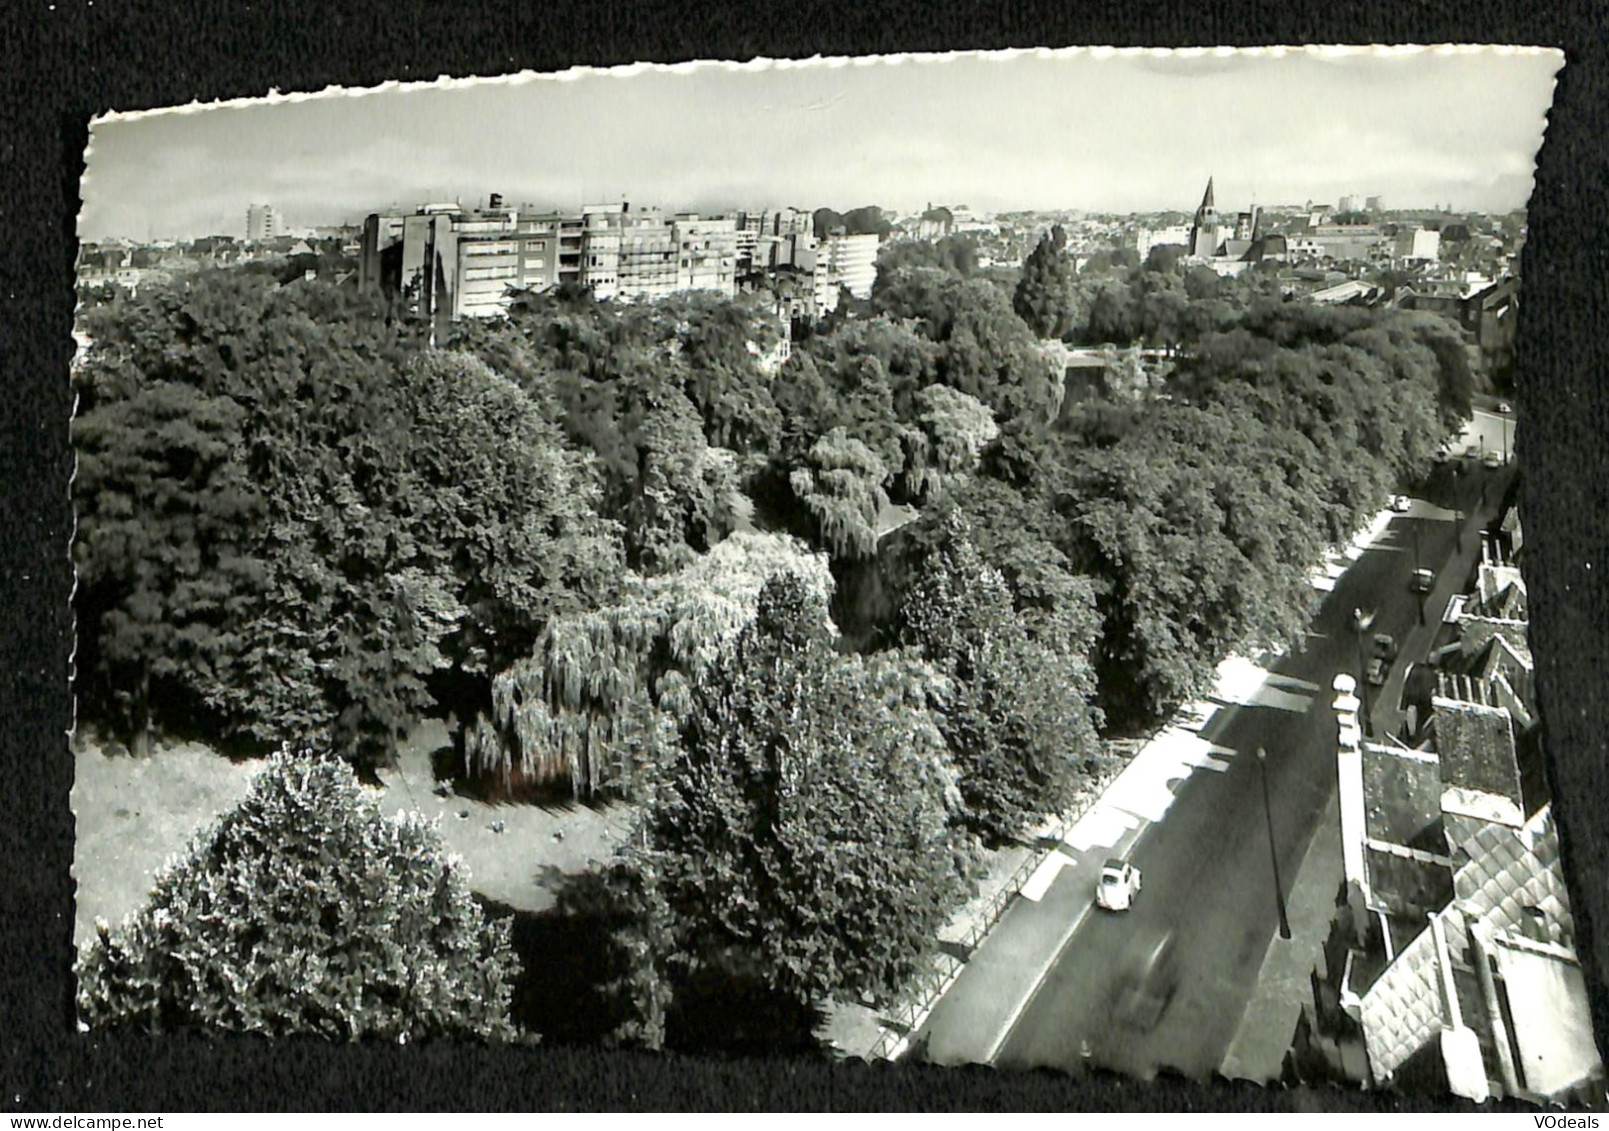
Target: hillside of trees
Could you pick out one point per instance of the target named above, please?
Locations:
(612, 549)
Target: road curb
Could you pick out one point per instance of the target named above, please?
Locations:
(1039, 981)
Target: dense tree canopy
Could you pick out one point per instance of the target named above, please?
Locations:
(1016, 713)
(599, 534)
(305, 910)
(291, 522)
(804, 830)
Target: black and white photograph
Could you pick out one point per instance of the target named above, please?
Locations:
(1002, 558)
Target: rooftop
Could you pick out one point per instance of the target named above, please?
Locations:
(1476, 745)
(1402, 797)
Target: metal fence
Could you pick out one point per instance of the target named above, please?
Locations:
(904, 1017)
(901, 1021)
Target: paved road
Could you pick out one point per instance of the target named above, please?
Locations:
(1208, 880)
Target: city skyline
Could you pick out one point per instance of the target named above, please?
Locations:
(1419, 127)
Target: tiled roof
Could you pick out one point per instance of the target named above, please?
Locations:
(1511, 871)
(1476, 744)
(1401, 794)
(1404, 886)
(1404, 1009)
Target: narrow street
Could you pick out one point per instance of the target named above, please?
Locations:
(1208, 902)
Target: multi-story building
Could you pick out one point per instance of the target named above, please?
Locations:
(602, 226)
(853, 259)
(706, 253)
(448, 262)
(648, 256)
(1418, 245)
(262, 223)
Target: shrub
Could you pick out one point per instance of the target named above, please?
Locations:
(307, 910)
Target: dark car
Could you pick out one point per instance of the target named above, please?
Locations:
(1385, 645)
(1150, 985)
(1423, 581)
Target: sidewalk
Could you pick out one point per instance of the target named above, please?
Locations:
(987, 991)
(975, 1014)
(1258, 1051)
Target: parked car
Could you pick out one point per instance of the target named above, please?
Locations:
(1492, 459)
(1400, 503)
(1119, 884)
(1377, 671)
(1504, 406)
(1423, 581)
(1385, 645)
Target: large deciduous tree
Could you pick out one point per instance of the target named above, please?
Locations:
(804, 832)
(1045, 297)
(596, 702)
(1016, 707)
(306, 911)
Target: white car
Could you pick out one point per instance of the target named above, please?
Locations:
(1492, 460)
(1119, 884)
(1400, 503)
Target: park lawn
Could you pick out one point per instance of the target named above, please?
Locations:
(133, 815)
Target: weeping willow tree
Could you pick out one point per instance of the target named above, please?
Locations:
(954, 429)
(842, 488)
(600, 700)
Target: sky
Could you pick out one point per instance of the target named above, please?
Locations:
(1080, 129)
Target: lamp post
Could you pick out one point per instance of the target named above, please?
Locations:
(1273, 853)
(1416, 568)
(1360, 625)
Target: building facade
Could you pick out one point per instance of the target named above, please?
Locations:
(262, 223)
(447, 262)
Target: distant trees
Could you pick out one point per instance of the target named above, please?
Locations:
(305, 910)
(1045, 297)
(865, 220)
(957, 254)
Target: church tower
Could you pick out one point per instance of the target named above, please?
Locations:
(1204, 234)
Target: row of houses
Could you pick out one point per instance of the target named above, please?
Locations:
(1453, 960)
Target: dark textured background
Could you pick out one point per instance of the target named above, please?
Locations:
(66, 61)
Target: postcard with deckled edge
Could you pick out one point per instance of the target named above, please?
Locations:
(991, 558)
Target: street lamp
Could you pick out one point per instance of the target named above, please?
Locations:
(1416, 568)
(1273, 853)
(1360, 625)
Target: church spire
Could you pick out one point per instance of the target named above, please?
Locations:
(1206, 201)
